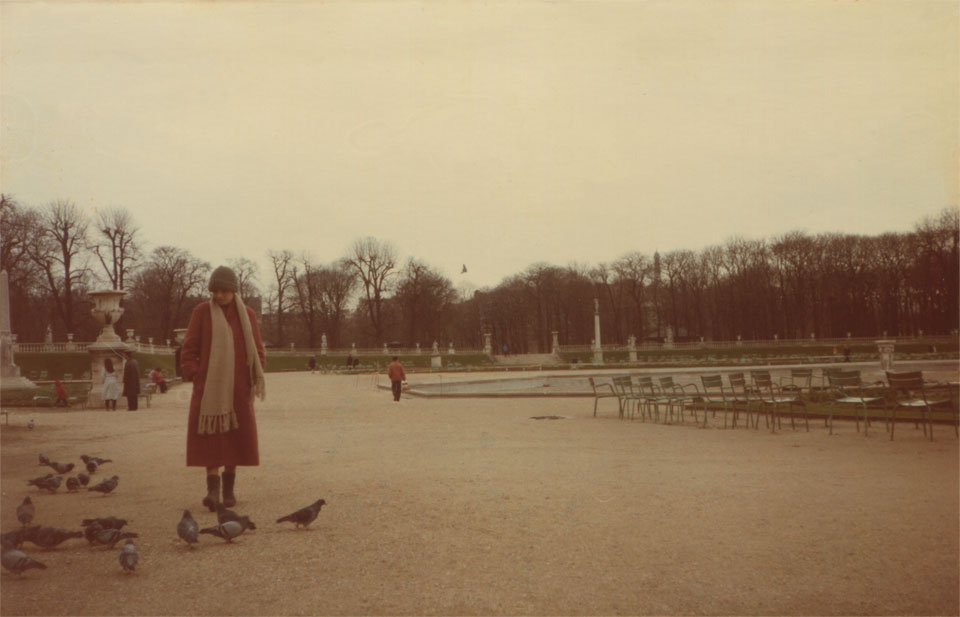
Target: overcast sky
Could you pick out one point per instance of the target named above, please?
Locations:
(491, 134)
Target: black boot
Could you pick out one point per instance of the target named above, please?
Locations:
(213, 492)
(229, 500)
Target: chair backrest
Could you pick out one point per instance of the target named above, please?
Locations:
(762, 379)
(622, 384)
(801, 375)
(666, 383)
(645, 383)
(905, 381)
(712, 382)
(737, 381)
(844, 379)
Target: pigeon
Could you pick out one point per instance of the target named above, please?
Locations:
(17, 537)
(25, 512)
(85, 458)
(106, 486)
(99, 461)
(224, 515)
(73, 484)
(304, 516)
(92, 466)
(61, 468)
(228, 531)
(18, 562)
(108, 522)
(84, 478)
(31, 424)
(188, 529)
(40, 481)
(44, 461)
(464, 271)
(111, 536)
(129, 555)
(50, 482)
(49, 537)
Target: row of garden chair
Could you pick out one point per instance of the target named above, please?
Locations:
(663, 398)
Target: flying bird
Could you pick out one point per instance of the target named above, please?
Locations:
(188, 529)
(464, 271)
(304, 516)
(61, 468)
(49, 537)
(26, 511)
(84, 478)
(18, 562)
(224, 515)
(107, 522)
(129, 555)
(228, 531)
(106, 486)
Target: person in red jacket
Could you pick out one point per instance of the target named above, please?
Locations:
(61, 394)
(223, 356)
(397, 376)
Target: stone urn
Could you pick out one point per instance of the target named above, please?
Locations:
(107, 311)
(179, 334)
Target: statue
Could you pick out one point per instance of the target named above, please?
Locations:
(48, 338)
(436, 347)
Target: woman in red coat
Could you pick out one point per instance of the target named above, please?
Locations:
(224, 358)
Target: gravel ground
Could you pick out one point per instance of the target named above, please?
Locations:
(455, 507)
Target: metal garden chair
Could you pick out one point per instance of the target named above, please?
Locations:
(715, 394)
(847, 389)
(772, 397)
(910, 393)
(602, 389)
(678, 396)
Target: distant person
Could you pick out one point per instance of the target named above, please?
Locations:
(131, 381)
(397, 376)
(312, 364)
(505, 350)
(111, 386)
(61, 394)
(223, 356)
(356, 363)
(846, 353)
(158, 380)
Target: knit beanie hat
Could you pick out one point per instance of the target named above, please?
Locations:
(224, 278)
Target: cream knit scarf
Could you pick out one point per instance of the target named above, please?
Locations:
(216, 405)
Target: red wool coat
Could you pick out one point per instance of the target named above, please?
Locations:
(239, 446)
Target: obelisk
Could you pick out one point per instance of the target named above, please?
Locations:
(597, 347)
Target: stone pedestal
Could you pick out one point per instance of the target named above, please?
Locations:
(417, 351)
(451, 351)
(555, 344)
(10, 378)
(323, 344)
(107, 311)
(436, 361)
(632, 347)
(668, 340)
(886, 354)
(487, 344)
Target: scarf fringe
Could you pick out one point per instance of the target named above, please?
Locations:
(209, 425)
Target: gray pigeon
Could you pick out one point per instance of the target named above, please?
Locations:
(111, 536)
(106, 486)
(61, 468)
(49, 537)
(100, 461)
(50, 483)
(92, 466)
(107, 522)
(224, 515)
(188, 529)
(18, 562)
(129, 555)
(25, 511)
(304, 516)
(17, 537)
(228, 531)
(84, 478)
(31, 424)
(73, 484)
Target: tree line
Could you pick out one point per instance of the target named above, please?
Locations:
(789, 286)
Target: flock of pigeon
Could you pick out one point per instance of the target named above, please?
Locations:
(108, 531)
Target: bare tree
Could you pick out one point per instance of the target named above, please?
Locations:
(58, 250)
(162, 289)
(374, 262)
(117, 249)
(247, 274)
(425, 298)
(17, 226)
(306, 297)
(282, 272)
(336, 283)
